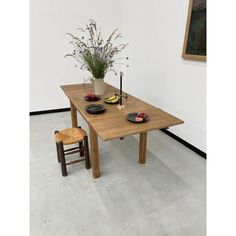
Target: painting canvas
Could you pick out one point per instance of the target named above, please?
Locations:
(195, 34)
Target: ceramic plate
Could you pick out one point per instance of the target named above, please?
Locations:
(95, 108)
(92, 99)
(131, 117)
(109, 102)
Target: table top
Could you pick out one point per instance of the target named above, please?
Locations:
(113, 123)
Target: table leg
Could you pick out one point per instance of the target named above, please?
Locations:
(73, 113)
(142, 147)
(94, 152)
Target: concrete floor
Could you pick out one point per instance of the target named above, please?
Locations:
(164, 197)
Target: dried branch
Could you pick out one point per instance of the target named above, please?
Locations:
(92, 52)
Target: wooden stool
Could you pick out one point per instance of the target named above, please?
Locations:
(72, 136)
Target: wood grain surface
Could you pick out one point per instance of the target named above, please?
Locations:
(73, 113)
(113, 123)
(94, 152)
(142, 147)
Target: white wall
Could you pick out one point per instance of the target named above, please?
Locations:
(157, 73)
(155, 30)
(50, 21)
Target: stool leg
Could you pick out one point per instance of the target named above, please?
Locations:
(81, 146)
(62, 158)
(58, 152)
(57, 147)
(87, 158)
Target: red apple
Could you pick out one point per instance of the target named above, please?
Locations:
(142, 115)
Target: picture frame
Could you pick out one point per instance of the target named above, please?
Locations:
(194, 47)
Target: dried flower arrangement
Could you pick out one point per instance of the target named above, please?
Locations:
(93, 53)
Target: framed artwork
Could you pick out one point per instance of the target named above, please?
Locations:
(195, 33)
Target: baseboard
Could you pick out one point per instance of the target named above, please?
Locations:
(180, 140)
(33, 113)
(185, 143)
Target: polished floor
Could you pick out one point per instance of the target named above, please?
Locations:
(164, 197)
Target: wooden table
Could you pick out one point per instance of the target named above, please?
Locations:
(112, 123)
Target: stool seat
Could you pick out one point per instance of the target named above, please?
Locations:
(70, 136)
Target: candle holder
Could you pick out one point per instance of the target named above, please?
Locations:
(120, 95)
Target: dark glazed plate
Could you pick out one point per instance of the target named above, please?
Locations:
(110, 102)
(92, 99)
(131, 117)
(95, 108)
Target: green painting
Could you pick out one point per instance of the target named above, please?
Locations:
(195, 38)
